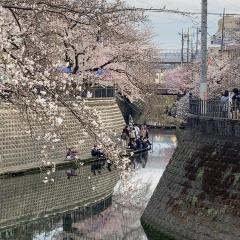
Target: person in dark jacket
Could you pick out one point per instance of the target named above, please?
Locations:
(235, 103)
(139, 143)
(126, 130)
(96, 152)
(71, 154)
(146, 143)
(132, 145)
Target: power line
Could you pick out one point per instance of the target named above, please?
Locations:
(186, 13)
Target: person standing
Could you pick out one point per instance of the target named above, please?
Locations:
(236, 103)
(146, 130)
(137, 131)
(125, 137)
(225, 104)
(142, 131)
(132, 134)
(126, 130)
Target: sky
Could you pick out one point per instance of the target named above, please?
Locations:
(167, 26)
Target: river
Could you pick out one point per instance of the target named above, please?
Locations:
(117, 217)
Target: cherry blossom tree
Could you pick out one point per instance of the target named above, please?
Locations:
(223, 74)
(182, 78)
(52, 51)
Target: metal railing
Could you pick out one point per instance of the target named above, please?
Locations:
(214, 108)
(90, 92)
(103, 92)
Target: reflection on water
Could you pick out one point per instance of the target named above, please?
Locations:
(129, 206)
(111, 218)
(57, 226)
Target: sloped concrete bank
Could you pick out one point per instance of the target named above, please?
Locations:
(18, 150)
(23, 194)
(198, 196)
(26, 197)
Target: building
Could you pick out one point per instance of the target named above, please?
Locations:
(230, 31)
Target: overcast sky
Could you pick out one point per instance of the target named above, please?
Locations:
(167, 26)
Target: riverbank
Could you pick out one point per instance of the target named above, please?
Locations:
(198, 194)
(118, 221)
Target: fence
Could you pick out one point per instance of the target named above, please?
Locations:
(93, 92)
(103, 92)
(214, 108)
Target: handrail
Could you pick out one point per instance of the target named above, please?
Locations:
(214, 108)
(103, 92)
(93, 92)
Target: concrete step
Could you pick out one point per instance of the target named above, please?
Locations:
(111, 117)
(110, 114)
(109, 108)
(116, 124)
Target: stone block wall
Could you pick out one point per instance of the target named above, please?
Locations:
(67, 220)
(198, 196)
(18, 150)
(27, 197)
(109, 113)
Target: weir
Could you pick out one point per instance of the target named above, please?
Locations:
(198, 196)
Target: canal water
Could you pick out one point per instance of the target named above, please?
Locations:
(116, 217)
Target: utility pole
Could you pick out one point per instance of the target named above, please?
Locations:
(188, 41)
(204, 53)
(223, 30)
(182, 58)
(192, 56)
(197, 42)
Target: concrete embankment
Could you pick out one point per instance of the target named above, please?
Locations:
(19, 150)
(26, 197)
(23, 193)
(198, 196)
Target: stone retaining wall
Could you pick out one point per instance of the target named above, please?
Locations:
(19, 151)
(68, 220)
(27, 197)
(198, 196)
(109, 113)
(24, 197)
